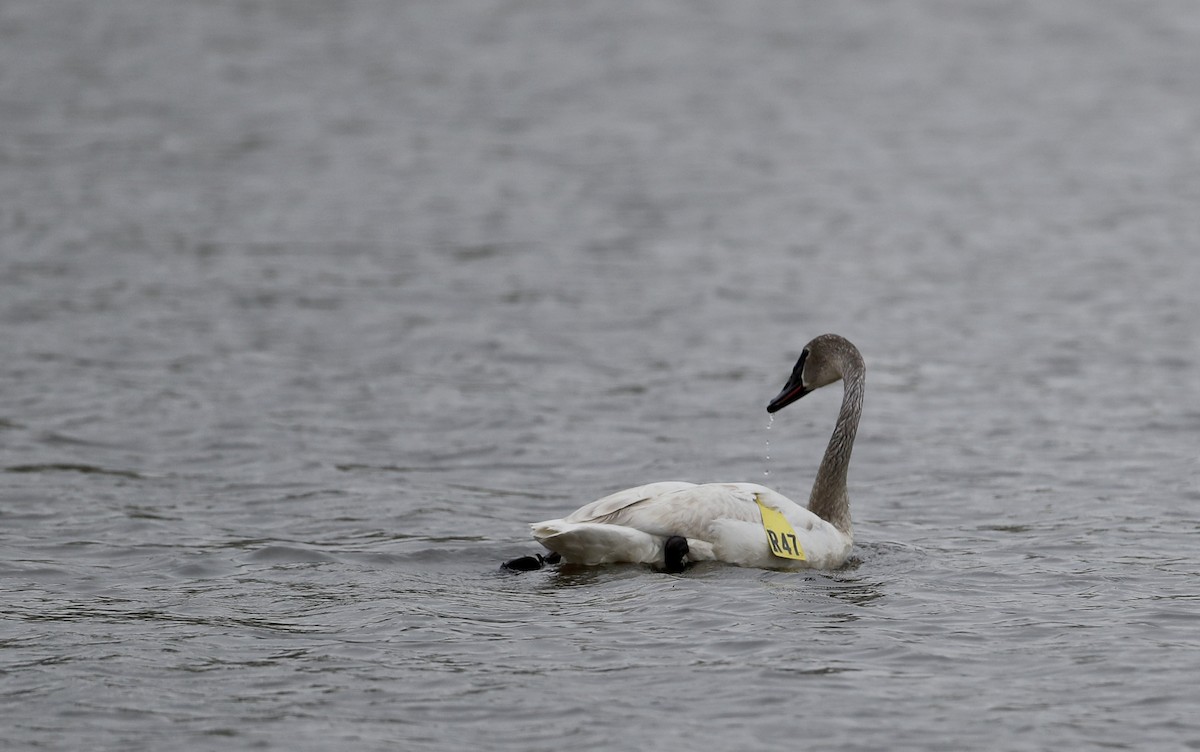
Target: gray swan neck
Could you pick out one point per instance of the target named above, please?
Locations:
(829, 499)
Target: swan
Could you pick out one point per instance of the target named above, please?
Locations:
(672, 524)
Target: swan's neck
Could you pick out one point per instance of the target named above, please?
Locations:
(828, 499)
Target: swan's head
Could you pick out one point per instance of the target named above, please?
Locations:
(820, 364)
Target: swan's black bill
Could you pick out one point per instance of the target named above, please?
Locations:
(792, 391)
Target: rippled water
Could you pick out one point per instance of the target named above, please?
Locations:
(307, 308)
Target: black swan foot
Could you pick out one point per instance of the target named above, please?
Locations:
(675, 551)
(531, 563)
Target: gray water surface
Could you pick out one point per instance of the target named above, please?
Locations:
(307, 308)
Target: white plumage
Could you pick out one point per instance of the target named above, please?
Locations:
(721, 522)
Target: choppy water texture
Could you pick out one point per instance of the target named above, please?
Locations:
(308, 308)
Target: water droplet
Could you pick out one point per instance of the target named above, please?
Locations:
(767, 469)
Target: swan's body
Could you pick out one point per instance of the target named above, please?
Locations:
(721, 522)
(724, 521)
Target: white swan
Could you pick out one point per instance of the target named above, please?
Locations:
(737, 523)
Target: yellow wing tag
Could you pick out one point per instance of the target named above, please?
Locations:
(780, 534)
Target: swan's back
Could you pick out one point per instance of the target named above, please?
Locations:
(675, 507)
(602, 509)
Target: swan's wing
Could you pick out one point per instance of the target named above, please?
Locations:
(691, 510)
(600, 509)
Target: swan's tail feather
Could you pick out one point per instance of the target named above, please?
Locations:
(590, 544)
